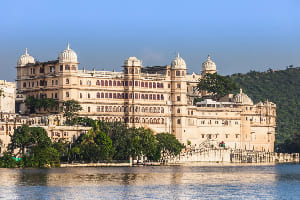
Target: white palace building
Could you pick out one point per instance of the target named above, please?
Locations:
(158, 97)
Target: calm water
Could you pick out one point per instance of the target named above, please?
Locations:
(160, 182)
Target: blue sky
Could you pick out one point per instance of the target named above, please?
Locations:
(239, 35)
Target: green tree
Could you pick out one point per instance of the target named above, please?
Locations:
(20, 139)
(6, 161)
(31, 103)
(217, 85)
(168, 144)
(70, 110)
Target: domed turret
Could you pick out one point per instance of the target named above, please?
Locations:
(133, 61)
(25, 59)
(68, 56)
(242, 98)
(178, 63)
(209, 65)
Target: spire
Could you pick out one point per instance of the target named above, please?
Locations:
(68, 46)
(177, 54)
(26, 52)
(241, 90)
(208, 57)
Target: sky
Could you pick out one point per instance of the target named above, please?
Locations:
(239, 35)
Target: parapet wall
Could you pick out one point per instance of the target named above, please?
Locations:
(232, 156)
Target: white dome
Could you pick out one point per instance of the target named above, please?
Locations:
(209, 65)
(178, 63)
(242, 98)
(133, 61)
(68, 56)
(25, 59)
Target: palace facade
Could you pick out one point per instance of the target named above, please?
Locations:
(158, 97)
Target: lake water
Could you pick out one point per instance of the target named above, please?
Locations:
(157, 182)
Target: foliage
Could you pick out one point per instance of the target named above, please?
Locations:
(70, 110)
(168, 144)
(33, 104)
(42, 157)
(216, 84)
(281, 87)
(6, 161)
(63, 148)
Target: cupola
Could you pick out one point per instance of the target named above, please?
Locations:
(25, 59)
(68, 56)
(178, 63)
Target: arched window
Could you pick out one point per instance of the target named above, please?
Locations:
(80, 95)
(89, 96)
(158, 97)
(110, 83)
(97, 82)
(178, 110)
(162, 110)
(67, 81)
(89, 109)
(162, 97)
(98, 94)
(106, 83)
(102, 83)
(178, 121)
(102, 95)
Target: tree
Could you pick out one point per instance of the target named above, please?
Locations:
(20, 139)
(70, 110)
(216, 84)
(168, 144)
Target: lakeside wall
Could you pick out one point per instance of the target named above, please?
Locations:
(232, 156)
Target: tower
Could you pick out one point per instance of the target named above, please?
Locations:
(179, 98)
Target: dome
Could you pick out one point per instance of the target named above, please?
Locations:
(209, 65)
(178, 63)
(25, 59)
(242, 98)
(68, 56)
(133, 61)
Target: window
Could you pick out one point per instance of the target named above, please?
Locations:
(146, 84)
(98, 108)
(178, 121)
(150, 85)
(98, 94)
(67, 94)
(154, 85)
(51, 68)
(24, 85)
(142, 84)
(67, 67)
(150, 96)
(182, 73)
(162, 97)
(89, 109)
(97, 82)
(89, 96)
(61, 68)
(178, 110)
(177, 73)
(169, 85)
(178, 85)
(102, 83)
(158, 97)
(42, 70)
(56, 82)
(67, 81)
(169, 73)
(88, 82)
(110, 83)
(178, 98)
(80, 95)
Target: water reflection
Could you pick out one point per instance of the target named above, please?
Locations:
(161, 182)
